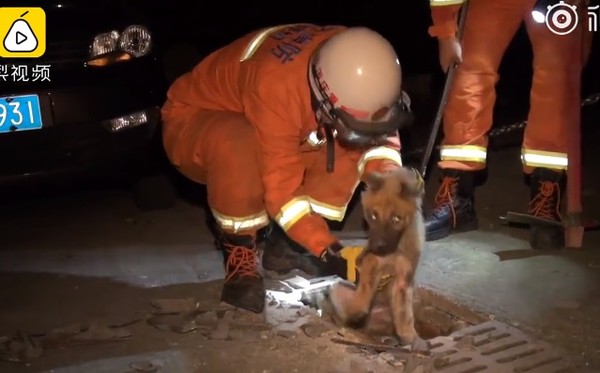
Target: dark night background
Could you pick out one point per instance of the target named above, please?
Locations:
(76, 250)
(405, 25)
(184, 32)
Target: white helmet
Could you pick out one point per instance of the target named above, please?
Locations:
(356, 79)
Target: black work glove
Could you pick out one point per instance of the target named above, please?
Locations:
(341, 260)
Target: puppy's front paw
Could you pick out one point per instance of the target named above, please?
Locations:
(346, 305)
(356, 318)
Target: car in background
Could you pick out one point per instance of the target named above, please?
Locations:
(91, 104)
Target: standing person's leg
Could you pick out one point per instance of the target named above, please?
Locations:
(555, 111)
(220, 149)
(489, 28)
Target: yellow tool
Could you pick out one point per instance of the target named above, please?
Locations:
(350, 254)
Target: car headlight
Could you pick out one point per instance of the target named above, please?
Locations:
(135, 40)
(104, 43)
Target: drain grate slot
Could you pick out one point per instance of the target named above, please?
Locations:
(496, 347)
(519, 354)
(489, 338)
(446, 353)
(502, 346)
(538, 360)
(474, 331)
(558, 367)
(467, 364)
(469, 369)
(447, 363)
(435, 345)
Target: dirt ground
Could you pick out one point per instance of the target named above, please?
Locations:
(92, 258)
(123, 337)
(68, 299)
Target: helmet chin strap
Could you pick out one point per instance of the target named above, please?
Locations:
(330, 149)
(326, 127)
(321, 108)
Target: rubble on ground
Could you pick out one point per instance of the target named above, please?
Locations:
(286, 318)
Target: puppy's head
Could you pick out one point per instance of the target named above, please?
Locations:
(390, 204)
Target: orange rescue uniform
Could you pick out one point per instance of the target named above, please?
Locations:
(555, 93)
(242, 123)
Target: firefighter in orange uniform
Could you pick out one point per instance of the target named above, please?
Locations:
(554, 109)
(282, 124)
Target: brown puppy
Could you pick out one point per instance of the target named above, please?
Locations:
(383, 300)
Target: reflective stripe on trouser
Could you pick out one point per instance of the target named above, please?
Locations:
(463, 153)
(445, 2)
(244, 223)
(543, 159)
(555, 89)
(381, 152)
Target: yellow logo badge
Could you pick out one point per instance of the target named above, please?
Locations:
(23, 32)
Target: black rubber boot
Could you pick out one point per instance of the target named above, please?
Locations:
(454, 206)
(281, 255)
(243, 286)
(547, 187)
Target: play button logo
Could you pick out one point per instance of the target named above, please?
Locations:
(20, 38)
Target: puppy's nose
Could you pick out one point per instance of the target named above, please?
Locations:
(380, 245)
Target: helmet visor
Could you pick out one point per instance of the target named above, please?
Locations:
(399, 116)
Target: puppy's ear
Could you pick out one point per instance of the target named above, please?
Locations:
(413, 185)
(374, 181)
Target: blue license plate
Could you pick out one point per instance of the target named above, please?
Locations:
(20, 113)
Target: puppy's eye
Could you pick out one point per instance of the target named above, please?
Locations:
(396, 219)
(373, 216)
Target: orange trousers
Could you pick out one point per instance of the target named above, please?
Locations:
(217, 148)
(555, 92)
(221, 150)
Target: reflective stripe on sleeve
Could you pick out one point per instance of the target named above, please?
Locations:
(327, 211)
(445, 2)
(381, 152)
(464, 153)
(543, 159)
(293, 211)
(260, 38)
(237, 224)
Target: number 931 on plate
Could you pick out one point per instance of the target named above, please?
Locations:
(20, 113)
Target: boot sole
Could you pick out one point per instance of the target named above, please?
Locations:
(443, 233)
(553, 243)
(232, 302)
(281, 269)
(274, 275)
(539, 247)
(280, 272)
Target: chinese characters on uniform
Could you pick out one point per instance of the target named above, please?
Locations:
(292, 41)
(24, 73)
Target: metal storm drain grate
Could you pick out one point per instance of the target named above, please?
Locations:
(495, 347)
